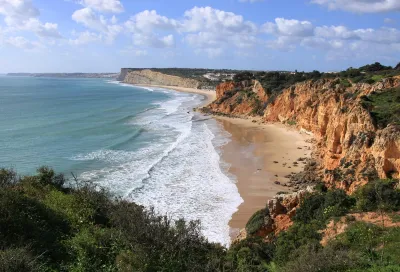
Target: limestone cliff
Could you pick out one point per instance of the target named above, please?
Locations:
(350, 147)
(156, 78)
(239, 98)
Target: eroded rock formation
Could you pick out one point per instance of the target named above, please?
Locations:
(156, 78)
(350, 148)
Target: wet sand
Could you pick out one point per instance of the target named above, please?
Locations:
(260, 155)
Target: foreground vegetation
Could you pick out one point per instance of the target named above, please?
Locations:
(45, 226)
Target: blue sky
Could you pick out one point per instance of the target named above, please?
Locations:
(105, 35)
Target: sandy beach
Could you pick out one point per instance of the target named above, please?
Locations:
(260, 156)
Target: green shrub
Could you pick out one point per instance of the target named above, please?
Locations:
(384, 107)
(379, 194)
(345, 83)
(25, 221)
(295, 237)
(18, 260)
(256, 221)
(314, 259)
(8, 177)
(94, 249)
(323, 206)
(251, 254)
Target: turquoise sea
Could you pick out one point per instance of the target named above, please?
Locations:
(144, 144)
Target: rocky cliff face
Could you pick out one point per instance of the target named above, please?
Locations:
(351, 149)
(282, 208)
(239, 98)
(156, 78)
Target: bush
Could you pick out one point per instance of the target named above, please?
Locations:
(84, 229)
(251, 254)
(323, 206)
(17, 260)
(256, 221)
(295, 237)
(384, 107)
(379, 194)
(8, 177)
(315, 259)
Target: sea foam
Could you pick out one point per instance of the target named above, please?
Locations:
(179, 172)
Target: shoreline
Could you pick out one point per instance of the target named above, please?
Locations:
(208, 95)
(260, 155)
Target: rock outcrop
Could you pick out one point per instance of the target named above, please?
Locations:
(282, 208)
(239, 98)
(350, 148)
(156, 78)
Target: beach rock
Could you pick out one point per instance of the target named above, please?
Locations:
(282, 208)
(343, 130)
(231, 102)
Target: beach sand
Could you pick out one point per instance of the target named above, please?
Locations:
(260, 155)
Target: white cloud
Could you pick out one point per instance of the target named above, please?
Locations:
(214, 20)
(382, 35)
(17, 11)
(149, 40)
(152, 30)
(147, 21)
(211, 30)
(285, 27)
(22, 43)
(92, 20)
(335, 32)
(22, 15)
(85, 38)
(389, 21)
(112, 6)
(48, 30)
(361, 6)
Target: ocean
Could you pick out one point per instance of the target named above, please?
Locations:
(143, 144)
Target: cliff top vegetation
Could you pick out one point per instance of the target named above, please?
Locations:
(47, 226)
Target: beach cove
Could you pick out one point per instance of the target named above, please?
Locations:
(259, 155)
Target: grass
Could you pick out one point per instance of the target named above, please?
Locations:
(384, 107)
(377, 78)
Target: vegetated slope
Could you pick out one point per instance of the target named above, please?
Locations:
(47, 227)
(355, 124)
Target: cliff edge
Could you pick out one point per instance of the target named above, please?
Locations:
(357, 138)
(150, 77)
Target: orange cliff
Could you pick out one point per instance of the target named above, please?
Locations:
(350, 149)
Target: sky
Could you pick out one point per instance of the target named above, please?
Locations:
(106, 35)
